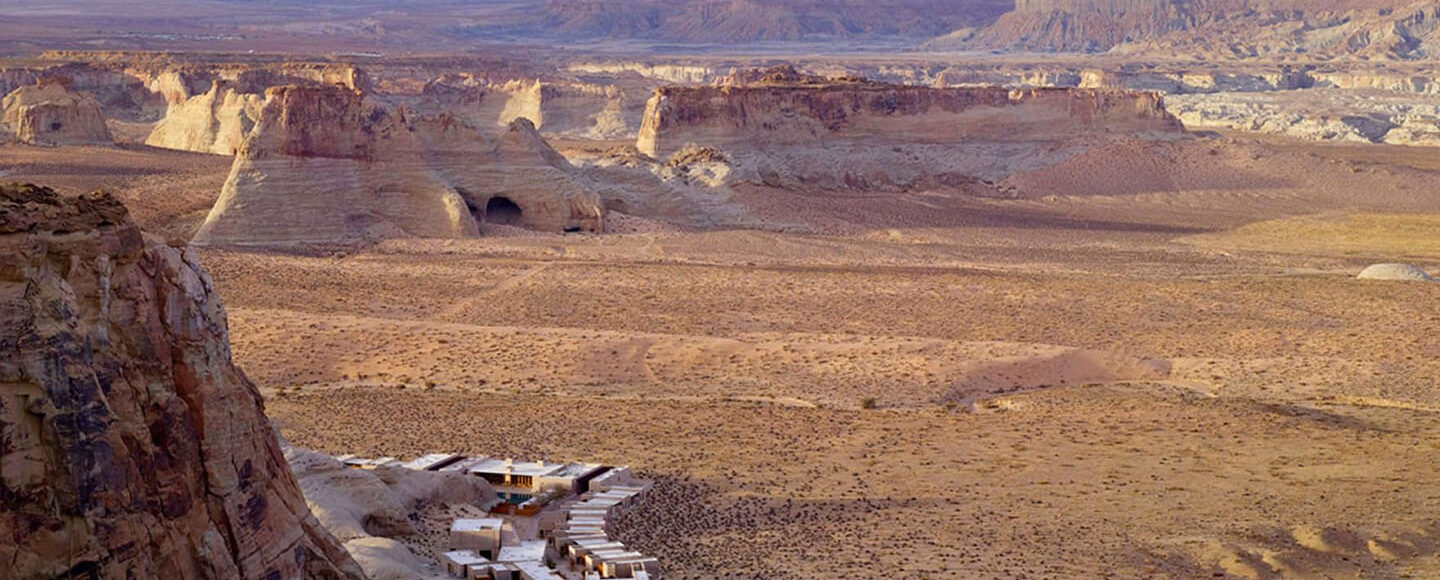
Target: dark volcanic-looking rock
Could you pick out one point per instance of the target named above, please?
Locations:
(130, 446)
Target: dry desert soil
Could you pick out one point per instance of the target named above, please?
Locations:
(1136, 380)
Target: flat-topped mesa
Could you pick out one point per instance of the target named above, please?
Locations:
(49, 114)
(788, 114)
(132, 446)
(327, 164)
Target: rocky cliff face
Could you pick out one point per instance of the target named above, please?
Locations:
(326, 164)
(1085, 25)
(215, 121)
(50, 114)
(860, 134)
(130, 446)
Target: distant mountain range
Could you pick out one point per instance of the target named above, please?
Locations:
(1201, 29)
(1376, 29)
(734, 21)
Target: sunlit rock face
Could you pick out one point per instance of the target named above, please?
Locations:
(327, 164)
(855, 134)
(130, 445)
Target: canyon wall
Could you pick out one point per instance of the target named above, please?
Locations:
(130, 446)
(326, 164)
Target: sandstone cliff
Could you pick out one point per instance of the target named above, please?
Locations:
(861, 135)
(326, 164)
(215, 121)
(131, 446)
(50, 114)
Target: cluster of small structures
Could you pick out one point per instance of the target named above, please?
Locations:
(552, 521)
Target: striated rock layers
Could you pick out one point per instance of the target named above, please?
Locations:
(1216, 29)
(862, 135)
(325, 164)
(130, 446)
(1085, 25)
(50, 114)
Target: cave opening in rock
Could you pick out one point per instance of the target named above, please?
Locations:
(500, 210)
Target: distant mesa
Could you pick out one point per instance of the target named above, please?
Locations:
(328, 164)
(782, 127)
(49, 114)
(1395, 272)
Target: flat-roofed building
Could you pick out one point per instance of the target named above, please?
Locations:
(532, 550)
(432, 462)
(537, 571)
(481, 535)
(458, 562)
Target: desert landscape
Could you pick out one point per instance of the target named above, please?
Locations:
(983, 289)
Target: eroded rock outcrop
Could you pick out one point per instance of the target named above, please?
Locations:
(130, 446)
(781, 127)
(50, 114)
(326, 164)
(215, 121)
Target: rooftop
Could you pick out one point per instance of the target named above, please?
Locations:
(477, 525)
(529, 551)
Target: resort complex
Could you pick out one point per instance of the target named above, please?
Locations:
(551, 521)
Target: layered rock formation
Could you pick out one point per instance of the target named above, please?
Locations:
(50, 114)
(130, 446)
(325, 164)
(1224, 29)
(1084, 25)
(568, 108)
(215, 121)
(858, 134)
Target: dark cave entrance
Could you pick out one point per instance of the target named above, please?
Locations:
(500, 210)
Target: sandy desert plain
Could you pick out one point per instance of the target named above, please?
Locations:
(1072, 339)
(1167, 383)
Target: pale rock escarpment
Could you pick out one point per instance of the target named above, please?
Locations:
(130, 446)
(855, 134)
(326, 164)
(215, 121)
(50, 114)
(567, 108)
(1360, 116)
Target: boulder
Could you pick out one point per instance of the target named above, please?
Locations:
(1395, 272)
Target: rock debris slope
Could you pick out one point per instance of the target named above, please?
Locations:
(130, 446)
